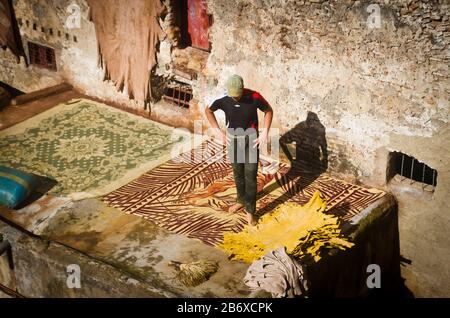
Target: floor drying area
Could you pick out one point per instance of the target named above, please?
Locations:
(123, 208)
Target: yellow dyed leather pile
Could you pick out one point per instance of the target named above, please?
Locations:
(305, 231)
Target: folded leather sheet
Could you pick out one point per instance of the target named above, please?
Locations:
(127, 34)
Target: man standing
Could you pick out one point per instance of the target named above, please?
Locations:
(243, 138)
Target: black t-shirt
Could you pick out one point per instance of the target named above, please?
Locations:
(243, 113)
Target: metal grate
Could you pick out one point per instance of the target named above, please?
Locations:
(410, 168)
(178, 94)
(42, 56)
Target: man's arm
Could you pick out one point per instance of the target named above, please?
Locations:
(268, 115)
(211, 118)
(215, 125)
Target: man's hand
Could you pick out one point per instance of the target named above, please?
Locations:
(221, 137)
(268, 114)
(225, 138)
(262, 138)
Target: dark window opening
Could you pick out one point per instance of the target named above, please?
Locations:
(42, 56)
(178, 93)
(50, 31)
(193, 21)
(67, 36)
(407, 167)
(75, 38)
(42, 29)
(27, 23)
(34, 26)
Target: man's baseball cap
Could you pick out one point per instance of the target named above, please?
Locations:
(235, 86)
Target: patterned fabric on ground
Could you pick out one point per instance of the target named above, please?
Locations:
(277, 273)
(192, 197)
(89, 148)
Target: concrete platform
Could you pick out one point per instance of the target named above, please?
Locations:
(112, 249)
(122, 255)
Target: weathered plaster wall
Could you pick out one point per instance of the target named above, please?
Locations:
(424, 220)
(320, 56)
(77, 61)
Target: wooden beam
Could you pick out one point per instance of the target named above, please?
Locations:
(29, 97)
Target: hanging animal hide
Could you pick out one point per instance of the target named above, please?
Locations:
(9, 35)
(127, 34)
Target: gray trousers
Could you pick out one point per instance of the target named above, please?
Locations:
(244, 160)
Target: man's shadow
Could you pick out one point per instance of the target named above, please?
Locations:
(310, 159)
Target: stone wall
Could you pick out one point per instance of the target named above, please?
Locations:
(364, 84)
(43, 22)
(41, 270)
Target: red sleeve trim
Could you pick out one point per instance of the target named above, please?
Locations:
(259, 97)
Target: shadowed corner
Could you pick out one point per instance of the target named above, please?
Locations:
(370, 249)
(44, 186)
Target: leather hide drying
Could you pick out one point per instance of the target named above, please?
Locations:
(127, 34)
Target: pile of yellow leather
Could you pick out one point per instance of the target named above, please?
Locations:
(305, 231)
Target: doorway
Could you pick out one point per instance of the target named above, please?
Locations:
(194, 23)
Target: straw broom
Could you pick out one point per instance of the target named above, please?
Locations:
(194, 273)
